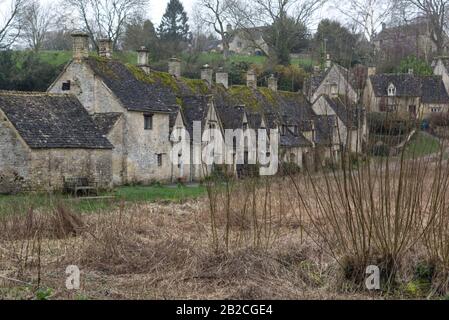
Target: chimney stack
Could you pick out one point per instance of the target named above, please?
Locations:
(174, 67)
(328, 62)
(222, 78)
(207, 74)
(411, 71)
(80, 45)
(273, 83)
(229, 28)
(105, 48)
(251, 79)
(372, 71)
(142, 59)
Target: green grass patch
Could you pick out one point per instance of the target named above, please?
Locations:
(21, 204)
(422, 144)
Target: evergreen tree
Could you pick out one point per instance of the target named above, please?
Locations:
(174, 26)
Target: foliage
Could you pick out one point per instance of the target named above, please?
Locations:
(419, 66)
(26, 72)
(389, 124)
(334, 39)
(174, 28)
(440, 119)
(138, 33)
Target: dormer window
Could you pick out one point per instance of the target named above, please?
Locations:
(283, 130)
(245, 126)
(391, 90)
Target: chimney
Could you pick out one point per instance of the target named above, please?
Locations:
(222, 78)
(316, 69)
(80, 45)
(207, 74)
(229, 28)
(142, 59)
(328, 62)
(273, 83)
(384, 26)
(105, 48)
(372, 71)
(174, 67)
(251, 79)
(411, 71)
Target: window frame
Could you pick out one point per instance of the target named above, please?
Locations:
(147, 116)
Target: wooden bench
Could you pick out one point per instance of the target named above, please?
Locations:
(80, 186)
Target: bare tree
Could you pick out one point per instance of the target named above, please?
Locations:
(436, 14)
(10, 21)
(367, 15)
(106, 18)
(281, 19)
(215, 14)
(38, 20)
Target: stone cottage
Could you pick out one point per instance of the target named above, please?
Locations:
(47, 138)
(407, 95)
(335, 80)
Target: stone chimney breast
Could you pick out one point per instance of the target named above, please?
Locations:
(174, 67)
(207, 74)
(105, 48)
(222, 78)
(80, 45)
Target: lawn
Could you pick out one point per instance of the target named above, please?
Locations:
(132, 194)
(422, 144)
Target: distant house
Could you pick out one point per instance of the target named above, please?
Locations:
(407, 95)
(334, 80)
(47, 138)
(413, 38)
(249, 41)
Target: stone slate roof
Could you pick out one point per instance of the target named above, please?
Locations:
(47, 121)
(430, 88)
(194, 108)
(290, 139)
(135, 94)
(347, 112)
(324, 126)
(106, 121)
(433, 90)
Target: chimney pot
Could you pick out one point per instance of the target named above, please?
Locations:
(372, 71)
(174, 67)
(222, 78)
(411, 71)
(105, 48)
(80, 45)
(328, 61)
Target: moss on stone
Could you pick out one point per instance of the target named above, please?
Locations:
(139, 74)
(197, 86)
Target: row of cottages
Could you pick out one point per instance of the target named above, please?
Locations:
(408, 95)
(138, 108)
(335, 91)
(45, 137)
(113, 122)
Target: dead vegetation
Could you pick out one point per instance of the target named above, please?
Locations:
(306, 236)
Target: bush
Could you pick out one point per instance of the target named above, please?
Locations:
(389, 124)
(380, 150)
(289, 168)
(440, 119)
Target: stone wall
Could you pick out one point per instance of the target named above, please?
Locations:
(14, 159)
(117, 138)
(49, 167)
(340, 80)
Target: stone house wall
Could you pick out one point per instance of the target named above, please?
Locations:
(337, 80)
(14, 159)
(49, 167)
(117, 137)
(441, 70)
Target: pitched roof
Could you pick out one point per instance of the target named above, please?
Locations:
(407, 85)
(106, 121)
(290, 139)
(48, 121)
(316, 79)
(345, 110)
(431, 89)
(325, 126)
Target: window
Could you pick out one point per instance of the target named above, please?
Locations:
(435, 109)
(66, 86)
(212, 126)
(334, 89)
(148, 122)
(245, 126)
(239, 44)
(159, 160)
(392, 108)
(391, 90)
(283, 130)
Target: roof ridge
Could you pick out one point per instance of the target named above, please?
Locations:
(33, 93)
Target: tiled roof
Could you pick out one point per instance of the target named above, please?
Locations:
(345, 110)
(48, 121)
(106, 121)
(430, 88)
